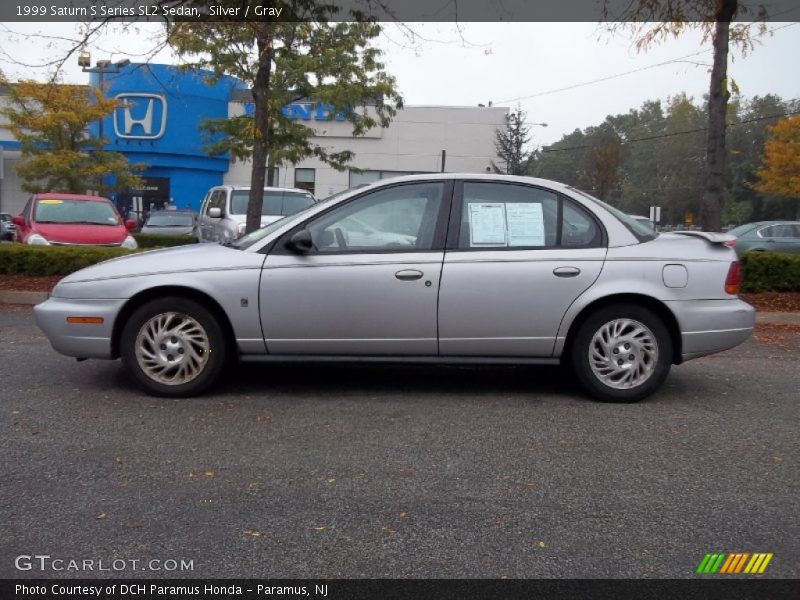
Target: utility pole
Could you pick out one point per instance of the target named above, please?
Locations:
(101, 68)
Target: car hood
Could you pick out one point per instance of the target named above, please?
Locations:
(169, 230)
(201, 257)
(265, 219)
(64, 233)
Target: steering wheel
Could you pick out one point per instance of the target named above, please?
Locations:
(340, 240)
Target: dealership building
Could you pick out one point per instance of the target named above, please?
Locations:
(162, 107)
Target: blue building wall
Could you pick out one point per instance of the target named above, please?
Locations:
(157, 124)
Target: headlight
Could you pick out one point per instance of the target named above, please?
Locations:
(129, 243)
(35, 239)
(241, 228)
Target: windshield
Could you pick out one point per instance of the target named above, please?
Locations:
(643, 232)
(170, 220)
(90, 212)
(275, 202)
(259, 234)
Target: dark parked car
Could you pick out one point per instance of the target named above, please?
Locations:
(7, 228)
(770, 236)
(170, 222)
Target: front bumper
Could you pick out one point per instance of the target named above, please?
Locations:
(79, 340)
(710, 326)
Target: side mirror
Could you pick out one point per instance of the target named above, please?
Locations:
(301, 242)
(18, 220)
(131, 224)
(215, 212)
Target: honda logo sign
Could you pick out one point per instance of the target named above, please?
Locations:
(140, 116)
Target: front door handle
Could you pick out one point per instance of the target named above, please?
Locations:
(566, 271)
(409, 275)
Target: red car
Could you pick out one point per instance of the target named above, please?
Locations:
(70, 219)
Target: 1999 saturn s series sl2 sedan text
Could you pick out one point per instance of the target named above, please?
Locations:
(442, 268)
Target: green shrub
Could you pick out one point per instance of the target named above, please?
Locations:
(21, 259)
(152, 240)
(770, 272)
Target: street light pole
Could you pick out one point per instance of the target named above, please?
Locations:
(101, 68)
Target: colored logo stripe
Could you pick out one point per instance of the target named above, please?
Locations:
(730, 563)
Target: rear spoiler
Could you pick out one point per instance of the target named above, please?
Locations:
(724, 239)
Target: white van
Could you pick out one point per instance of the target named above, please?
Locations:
(223, 213)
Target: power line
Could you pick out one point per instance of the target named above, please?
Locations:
(667, 135)
(600, 80)
(623, 74)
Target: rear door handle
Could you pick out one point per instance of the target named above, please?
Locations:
(566, 271)
(409, 275)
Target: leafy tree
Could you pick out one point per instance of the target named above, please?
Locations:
(656, 20)
(511, 143)
(748, 129)
(780, 173)
(655, 155)
(306, 57)
(603, 173)
(50, 121)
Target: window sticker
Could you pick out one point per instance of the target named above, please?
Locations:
(51, 202)
(525, 224)
(487, 224)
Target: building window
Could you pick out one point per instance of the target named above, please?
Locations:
(304, 179)
(365, 177)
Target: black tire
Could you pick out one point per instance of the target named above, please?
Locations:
(593, 383)
(212, 360)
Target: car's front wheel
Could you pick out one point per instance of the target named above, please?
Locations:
(173, 347)
(622, 353)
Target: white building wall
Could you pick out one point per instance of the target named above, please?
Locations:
(413, 142)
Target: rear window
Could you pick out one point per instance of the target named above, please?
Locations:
(274, 203)
(642, 232)
(742, 229)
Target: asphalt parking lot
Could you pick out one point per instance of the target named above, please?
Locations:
(335, 471)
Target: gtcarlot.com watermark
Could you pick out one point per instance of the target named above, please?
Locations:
(47, 563)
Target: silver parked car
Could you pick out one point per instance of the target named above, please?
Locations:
(771, 236)
(425, 268)
(223, 212)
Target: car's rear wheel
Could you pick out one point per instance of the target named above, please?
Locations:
(173, 347)
(622, 353)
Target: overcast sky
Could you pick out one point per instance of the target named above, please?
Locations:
(505, 63)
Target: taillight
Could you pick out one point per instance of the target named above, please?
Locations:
(734, 279)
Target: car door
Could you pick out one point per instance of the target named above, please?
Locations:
(24, 226)
(517, 257)
(207, 223)
(355, 296)
(781, 238)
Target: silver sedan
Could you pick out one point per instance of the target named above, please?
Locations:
(457, 269)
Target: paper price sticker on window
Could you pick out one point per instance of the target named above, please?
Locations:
(525, 224)
(487, 224)
(512, 224)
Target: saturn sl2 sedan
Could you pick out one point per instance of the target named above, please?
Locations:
(460, 269)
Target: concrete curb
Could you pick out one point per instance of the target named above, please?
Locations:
(778, 318)
(14, 297)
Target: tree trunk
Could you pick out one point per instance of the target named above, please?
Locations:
(261, 139)
(713, 195)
